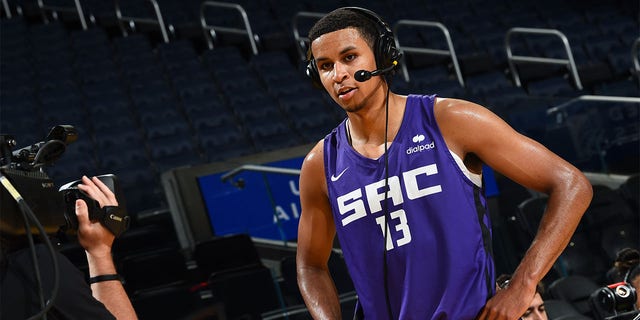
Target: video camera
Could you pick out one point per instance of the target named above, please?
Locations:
(24, 182)
(614, 302)
(114, 218)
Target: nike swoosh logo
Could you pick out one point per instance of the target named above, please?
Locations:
(335, 178)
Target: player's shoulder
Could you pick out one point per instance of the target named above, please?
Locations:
(312, 175)
(315, 157)
(452, 109)
(453, 104)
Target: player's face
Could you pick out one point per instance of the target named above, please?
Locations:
(536, 310)
(338, 55)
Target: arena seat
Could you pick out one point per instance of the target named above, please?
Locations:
(624, 87)
(493, 82)
(313, 119)
(575, 290)
(168, 302)
(557, 309)
(630, 191)
(229, 287)
(236, 251)
(552, 87)
(228, 138)
(162, 267)
(618, 236)
(606, 208)
(584, 257)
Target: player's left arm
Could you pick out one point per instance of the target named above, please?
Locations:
(472, 130)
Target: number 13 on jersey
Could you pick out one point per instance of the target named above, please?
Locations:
(399, 220)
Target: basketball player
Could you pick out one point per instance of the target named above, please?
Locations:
(419, 249)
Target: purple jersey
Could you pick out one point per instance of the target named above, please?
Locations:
(439, 263)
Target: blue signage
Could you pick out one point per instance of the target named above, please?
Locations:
(264, 205)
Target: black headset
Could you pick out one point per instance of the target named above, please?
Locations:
(384, 47)
(632, 270)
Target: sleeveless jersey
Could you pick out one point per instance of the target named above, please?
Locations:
(438, 260)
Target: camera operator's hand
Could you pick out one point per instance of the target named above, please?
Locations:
(92, 235)
(97, 241)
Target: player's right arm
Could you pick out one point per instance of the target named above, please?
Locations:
(316, 232)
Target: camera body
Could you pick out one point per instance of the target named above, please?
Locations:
(113, 218)
(26, 183)
(615, 301)
(39, 193)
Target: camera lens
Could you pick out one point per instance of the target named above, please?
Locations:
(623, 291)
(70, 197)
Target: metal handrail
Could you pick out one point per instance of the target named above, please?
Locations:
(569, 62)
(302, 41)
(7, 9)
(159, 20)
(258, 168)
(593, 98)
(635, 50)
(209, 30)
(450, 52)
(43, 7)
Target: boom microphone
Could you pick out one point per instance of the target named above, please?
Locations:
(364, 75)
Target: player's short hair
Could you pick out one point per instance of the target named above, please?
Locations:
(344, 18)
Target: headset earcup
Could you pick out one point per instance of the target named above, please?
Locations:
(392, 52)
(384, 51)
(312, 72)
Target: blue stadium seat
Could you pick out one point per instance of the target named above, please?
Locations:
(311, 118)
(209, 121)
(223, 58)
(128, 154)
(174, 152)
(552, 87)
(272, 61)
(225, 142)
(624, 87)
(238, 81)
(490, 82)
(256, 106)
(163, 122)
(134, 47)
(202, 108)
(103, 72)
(423, 78)
(91, 43)
(71, 167)
(176, 52)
